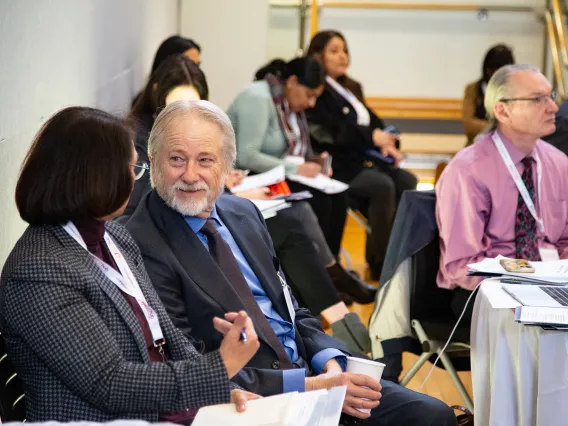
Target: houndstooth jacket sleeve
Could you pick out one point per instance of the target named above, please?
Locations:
(60, 315)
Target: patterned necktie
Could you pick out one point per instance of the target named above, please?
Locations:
(225, 259)
(526, 243)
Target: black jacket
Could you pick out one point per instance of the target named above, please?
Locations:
(142, 186)
(194, 290)
(334, 128)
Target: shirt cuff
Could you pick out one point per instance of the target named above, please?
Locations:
(294, 380)
(322, 357)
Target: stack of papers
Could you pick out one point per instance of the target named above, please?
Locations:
(269, 208)
(321, 183)
(271, 177)
(538, 315)
(552, 272)
(316, 408)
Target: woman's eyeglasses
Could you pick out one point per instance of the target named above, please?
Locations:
(140, 168)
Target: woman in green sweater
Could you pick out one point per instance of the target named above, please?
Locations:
(271, 130)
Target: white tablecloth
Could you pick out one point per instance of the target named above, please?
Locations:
(519, 373)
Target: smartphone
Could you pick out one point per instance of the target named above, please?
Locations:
(392, 130)
(517, 265)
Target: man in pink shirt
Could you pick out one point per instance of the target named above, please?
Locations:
(506, 194)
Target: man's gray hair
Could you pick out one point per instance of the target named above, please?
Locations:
(194, 109)
(499, 87)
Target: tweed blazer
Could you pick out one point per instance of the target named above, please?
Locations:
(77, 345)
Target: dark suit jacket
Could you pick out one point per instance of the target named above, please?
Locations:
(142, 186)
(334, 128)
(77, 345)
(194, 290)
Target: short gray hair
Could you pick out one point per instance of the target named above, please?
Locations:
(499, 88)
(194, 109)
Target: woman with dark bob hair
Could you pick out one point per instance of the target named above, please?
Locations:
(82, 323)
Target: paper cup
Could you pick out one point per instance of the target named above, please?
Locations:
(366, 367)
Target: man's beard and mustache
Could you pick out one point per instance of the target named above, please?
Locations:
(187, 208)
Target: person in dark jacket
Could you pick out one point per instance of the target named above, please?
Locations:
(318, 279)
(364, 155)
(176, 78)
(83, 325)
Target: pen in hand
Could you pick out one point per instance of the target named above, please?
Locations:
(243, 336)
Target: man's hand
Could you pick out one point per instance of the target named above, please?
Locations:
(240, 398)
(358, 386)
(332, 367)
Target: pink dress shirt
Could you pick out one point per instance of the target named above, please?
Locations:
(477, 202)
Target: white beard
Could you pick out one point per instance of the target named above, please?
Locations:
(187, 208)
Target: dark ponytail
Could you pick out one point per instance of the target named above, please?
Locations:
(278, 68)
(309, 72)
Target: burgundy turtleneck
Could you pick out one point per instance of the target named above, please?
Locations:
(93, 232)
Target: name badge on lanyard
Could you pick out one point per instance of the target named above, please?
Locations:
(125, 281)
(288, 297)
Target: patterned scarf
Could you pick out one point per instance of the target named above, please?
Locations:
(283, 111)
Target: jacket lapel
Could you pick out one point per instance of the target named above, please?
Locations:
(345, 109)
(259, 258)
(193, 256)
(111, 290)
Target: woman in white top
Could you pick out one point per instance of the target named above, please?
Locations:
(364, 155)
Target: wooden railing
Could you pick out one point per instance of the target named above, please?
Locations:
(556, 35)
(315, 7)
(553, 18)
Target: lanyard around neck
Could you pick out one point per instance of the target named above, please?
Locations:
(125, 281)
(519, 181)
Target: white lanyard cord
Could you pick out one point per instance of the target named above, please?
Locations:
(125, 281)
(363, 116)
(519, 181)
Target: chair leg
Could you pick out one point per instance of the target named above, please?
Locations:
(346, 258)
(414, 369)
(360, 219)
(456, 379)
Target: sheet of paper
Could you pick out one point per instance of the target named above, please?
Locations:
(541, 315)
(333, 406)
(498, 297)
(269, 411)
(295, 159)
(306, 408)
(270, 208)
(553, 271)
(322, 183)
(316, 408)
(260, 180)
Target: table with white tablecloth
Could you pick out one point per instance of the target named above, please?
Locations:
(519, 373)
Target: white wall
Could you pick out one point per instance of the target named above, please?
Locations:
(418, 53)
(233, 36)
(56, 53)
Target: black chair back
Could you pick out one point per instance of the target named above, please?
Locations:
(428, 302)
(12, 407)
